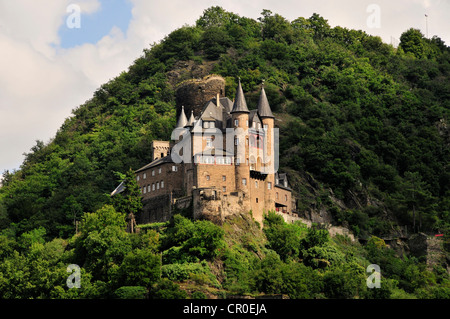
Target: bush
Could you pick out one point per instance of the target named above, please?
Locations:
(131, 292)
(322, 256)
(180, 272)
(166, 289)
(140, 267)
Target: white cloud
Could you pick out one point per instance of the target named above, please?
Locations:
(40, 83)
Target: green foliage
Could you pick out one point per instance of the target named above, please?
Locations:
(166, 289)
(181, 272)
(131, 292)
(140, 267)
(283, 238)
(191, 241)
(130, 200)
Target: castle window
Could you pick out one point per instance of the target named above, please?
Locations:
(159, 170)
(285, 198)
(256, 184)
(269, 185)
(244, 181)
(174, 168)
(236, 122)
(162, 155)
(224, 178)
(209, 142)
(144, 176)
(212, 124)
(149, 188)
(153, 173)
(162, 184)
(153, 186)
(256, 200)
(145, 190)
(207, 177)
(238, 161)
(236, 141)
(157, 185)
(137, 178)
(205, 124)
(247, 123)
(224, 189)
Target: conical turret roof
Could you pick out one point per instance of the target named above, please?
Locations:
(240, 105)
(182, 120)
(191, 119)
(263, 105)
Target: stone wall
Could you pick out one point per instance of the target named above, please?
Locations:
(211, 204)
(193, 94)
(156, 209)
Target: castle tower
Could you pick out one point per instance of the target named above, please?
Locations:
(182, 120)
(268, 122)
(239, 117)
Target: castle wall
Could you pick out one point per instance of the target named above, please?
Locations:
(216, 175)
(155, 209)
(258, 189)
(169, 181)
(283, 197)
(213, 205)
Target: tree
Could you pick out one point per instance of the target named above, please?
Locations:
(416, 197)
(214, 17)
(130, 200)
(140, 267)
(412, 41)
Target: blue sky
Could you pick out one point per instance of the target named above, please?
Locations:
(96, 25)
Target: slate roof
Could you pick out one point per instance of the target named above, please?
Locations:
(240, 105)
(182, 120)
(263, 105)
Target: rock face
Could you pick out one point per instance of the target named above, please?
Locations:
(421, 245)
(193, 94)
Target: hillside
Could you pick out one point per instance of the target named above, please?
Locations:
(364, 135)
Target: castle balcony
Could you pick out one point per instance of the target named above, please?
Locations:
(258, 175)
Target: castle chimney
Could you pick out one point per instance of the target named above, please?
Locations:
(218, 100)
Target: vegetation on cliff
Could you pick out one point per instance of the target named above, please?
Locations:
(367, 121)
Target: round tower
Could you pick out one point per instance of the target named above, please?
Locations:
(194, 93)
(239, 121)
(268, 166)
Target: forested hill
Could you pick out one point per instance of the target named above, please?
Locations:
(361, 120)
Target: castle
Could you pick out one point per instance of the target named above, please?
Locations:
(221, 162)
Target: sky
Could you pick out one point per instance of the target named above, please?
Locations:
(54, 54)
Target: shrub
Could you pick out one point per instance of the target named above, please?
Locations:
(180, 272)
(131, 292)
(166, 289)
